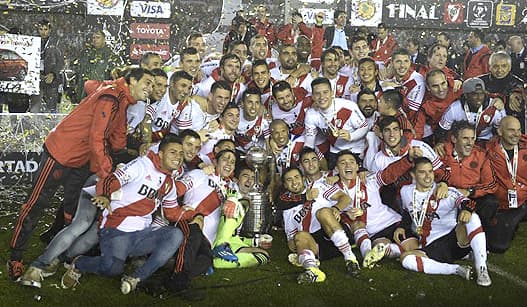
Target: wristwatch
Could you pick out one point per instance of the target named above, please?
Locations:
(471, 191)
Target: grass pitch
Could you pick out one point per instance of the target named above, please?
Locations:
(275, 283)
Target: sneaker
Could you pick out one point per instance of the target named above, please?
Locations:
(352, 268)
(128, 284)
(464, 271)
(70, 279)
(224, 252)
(33, 277)
(293, 259)
(483, 278)
(374, 255)
(15, 269)
(311, 275)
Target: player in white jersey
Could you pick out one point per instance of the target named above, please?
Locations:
(476, 108)
(307, 236)
(436, 232)
(394, 146)
(261, 79)
(289, 69)
(228, 123)
(341, 84)
(201, 116)
(229, 71)
(253, 128)
(161, 113)
(291, 105)
(126, 224)
(338, 119)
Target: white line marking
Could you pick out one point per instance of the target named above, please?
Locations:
(515, 279)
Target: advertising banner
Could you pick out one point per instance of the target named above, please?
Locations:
(19, 64)
(150, 9)
(150, 30)
(105, 7)
(367, 13)
(137, 50)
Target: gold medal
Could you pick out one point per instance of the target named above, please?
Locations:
(419, 230)
(359, 212)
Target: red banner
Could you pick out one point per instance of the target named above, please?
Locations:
(150, 30)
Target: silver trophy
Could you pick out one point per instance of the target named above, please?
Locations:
(257, 218)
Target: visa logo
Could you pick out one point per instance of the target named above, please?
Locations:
(150, 9)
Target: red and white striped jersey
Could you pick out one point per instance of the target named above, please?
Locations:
(251, 133)
(440, 217)
(290, 154)
(162, 113)
(343, 114)
(413, 90)
(213, 138)
(141, 184)
(192, 117)
(303, 81)
(295, 117)
(205, 194)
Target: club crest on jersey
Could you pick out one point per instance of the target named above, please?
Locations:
(433, 204)
(340, 88)
(486, 118)
(338, 122)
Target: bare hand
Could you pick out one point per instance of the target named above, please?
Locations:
(464, 216)
(440, 150)
(102, 202)
(457, 85)
(208, 169)
(143, 149)
(515, 102)
(498, 103)
(399, 234)
(312, 194)
(354, 213)
(414, 152)
(343, 134)
(441, 191)
(331, 180)
(464, 192)
(49, 78)
(354, 88)
(336, 213)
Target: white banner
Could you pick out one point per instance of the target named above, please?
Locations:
(19, 64)
(150, 9)
(366, 13)
(309, 14)
(105, 7)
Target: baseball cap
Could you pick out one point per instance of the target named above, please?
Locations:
(472, 85)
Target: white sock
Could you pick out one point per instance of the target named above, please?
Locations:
(428, 266)
(307, 258)
(479, 249)
(393, 251)
(362, 239)
(341, 241)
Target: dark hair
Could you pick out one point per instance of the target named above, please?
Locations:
(147, 56)
(320, 80)
(414, 41)
(306, 150)
(447, 37)
(357, 38)
(368, 60)
(169, 139)
(385, 121)
(218, 155)
(479, 34)
(250, 91)
(223, 141)
(328, 51)
(193, 36)
(190, 133)
(346, 53)
(230, 105)
(281, 86)
(240, 167)
(233, 44)
(188, 51)
(419, 161)
(259, 63)
(381, 25)
(229, 56)
(137, 74)
(158, 72)
(98, 31)
(290, 169)
(457, 126)
(401, 51)
(44, 22)
(178, 75)
(366, 91)
(393, 97)
(433, 73)
(237, 21)
(433, 49)
(338, 13)
(220, 84)
(349, 152)
(283, 46)
(296, 13)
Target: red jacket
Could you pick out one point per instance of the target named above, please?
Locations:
(266, 29)
(286, 34)
(384, 53)
(94, 129)
(503, 178)
(478, 64)
(473, 171)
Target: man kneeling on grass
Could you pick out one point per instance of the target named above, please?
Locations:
(304, 210)
(126, 226)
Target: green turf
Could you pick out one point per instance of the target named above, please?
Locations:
(275, 284)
